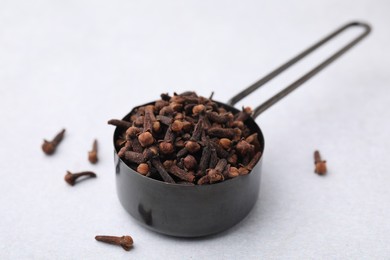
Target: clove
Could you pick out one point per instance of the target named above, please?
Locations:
(166, 120)
(92, 155)
(221, 132)
(160, 168)
(320, 165)
(219, 118)
(204, 160)
(126, 242)
(49, 147)
(119, 123)
(189, 162)
(134, 157)
(166, 146)
(172, 168)
(215, 175)
(146, 138)
(71, 178)
(143, 168)
(254, 161)
(244, 114)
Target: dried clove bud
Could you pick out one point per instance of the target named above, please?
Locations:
(225, 143)
(190, 162)
(166, 111)
(176, 106)
(188, 108)
(219, 118)
(222, 153)
(254, 160)
(71, 178)
(187, 126)
(166, 146)
(179, 143)
(179, 116)
(222, 132)
(204, 180)
(232, 159)
(198, 129)
(166, 120)
(233, 172)
(243, 171)
(143, 168)
(146, 139)
(213, 158)
(136, 146)
(183, 152)
(238, 124)
(92, 155)
(243, 147)
(119, 123)
(156, 127)
(196, 110)
(178, 172)
(320, 165)
(126, 242)
(139, 121)
(244, 114)
(254, 139)
(204, 160)
(49, 147)
(215, 175)
(150, 153)
(160, 168)
(165, 97)
(134, 157)
(132, 132)
(192, 146)
(177, 126)
(159, 104)
(188, 95)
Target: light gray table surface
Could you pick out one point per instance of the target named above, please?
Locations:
(76, 64)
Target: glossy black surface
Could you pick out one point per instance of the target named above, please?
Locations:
(188, 211)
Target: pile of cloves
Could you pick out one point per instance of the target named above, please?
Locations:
(188, 139)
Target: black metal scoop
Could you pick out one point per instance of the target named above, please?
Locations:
(193, 211)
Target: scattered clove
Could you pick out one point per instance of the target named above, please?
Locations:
(92, 155)
(320, 165)
(126, 242)
(49, 147)
(71, 178)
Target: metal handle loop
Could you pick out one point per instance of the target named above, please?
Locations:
(261, 108)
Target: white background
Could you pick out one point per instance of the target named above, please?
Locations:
(76, 64)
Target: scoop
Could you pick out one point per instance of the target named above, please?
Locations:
(200, 210)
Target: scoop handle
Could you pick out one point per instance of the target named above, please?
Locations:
(274, 99)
